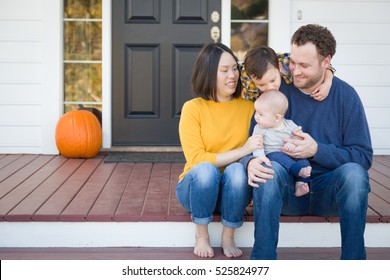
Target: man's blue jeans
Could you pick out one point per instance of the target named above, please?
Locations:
(204, 190)
(342, 192)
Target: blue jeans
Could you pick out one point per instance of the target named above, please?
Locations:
(342, 192)
(292, 165)
(204, 190)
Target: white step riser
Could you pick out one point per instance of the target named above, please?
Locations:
(170, 234)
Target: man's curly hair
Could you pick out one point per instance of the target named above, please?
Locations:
(318, 35)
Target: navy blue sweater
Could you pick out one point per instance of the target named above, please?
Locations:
(338, 124)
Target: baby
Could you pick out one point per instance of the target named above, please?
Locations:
(271, 107)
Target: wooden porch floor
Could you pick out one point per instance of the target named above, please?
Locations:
(54, 188)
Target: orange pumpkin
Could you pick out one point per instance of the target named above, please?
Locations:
(78, 134)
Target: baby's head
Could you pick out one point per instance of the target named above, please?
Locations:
(263, 67)
(271, 106)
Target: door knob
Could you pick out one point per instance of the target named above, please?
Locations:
(215, 33)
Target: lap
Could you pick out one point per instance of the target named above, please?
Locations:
(327, 190)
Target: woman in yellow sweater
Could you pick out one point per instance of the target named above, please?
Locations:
(213, 132)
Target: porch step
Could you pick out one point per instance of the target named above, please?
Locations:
(171, 234)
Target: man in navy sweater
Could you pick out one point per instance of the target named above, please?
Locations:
(336, 139)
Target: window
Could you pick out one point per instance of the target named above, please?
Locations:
(83, 55)
(249, 25)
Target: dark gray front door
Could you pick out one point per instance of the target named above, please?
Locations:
(155, 43)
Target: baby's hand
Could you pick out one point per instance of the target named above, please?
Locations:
(322, 91)
(319, 93)
(289, 147)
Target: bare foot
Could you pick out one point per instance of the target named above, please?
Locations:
(203, 247)
(301, 188)
(228, 245)
(305, 172)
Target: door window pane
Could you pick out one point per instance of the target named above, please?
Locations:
(83, 9)
(249, 25)
(83, 82)
(82, 54)
(83, 40)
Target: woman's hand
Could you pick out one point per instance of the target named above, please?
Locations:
(253, 143)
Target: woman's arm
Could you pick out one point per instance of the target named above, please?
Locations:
(253, 143)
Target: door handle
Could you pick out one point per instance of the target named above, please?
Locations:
(215, 33)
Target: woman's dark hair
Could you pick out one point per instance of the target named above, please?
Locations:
(257, 61)
(204, 74)
(318, 35)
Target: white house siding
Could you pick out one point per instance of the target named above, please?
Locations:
(362, 31)
(30, 75)
(31, 63)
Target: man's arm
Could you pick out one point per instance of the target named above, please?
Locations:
(355, 147)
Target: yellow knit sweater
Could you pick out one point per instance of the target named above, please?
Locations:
(207, 128)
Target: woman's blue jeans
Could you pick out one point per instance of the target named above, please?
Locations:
(204, 190)
(342, 192)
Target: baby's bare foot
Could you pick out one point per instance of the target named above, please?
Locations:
(305, 172)
(301, 188)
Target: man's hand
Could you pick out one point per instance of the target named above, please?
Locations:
(297, 130)
(306, 146)
(257, 173)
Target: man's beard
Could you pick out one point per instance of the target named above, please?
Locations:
(310, 82)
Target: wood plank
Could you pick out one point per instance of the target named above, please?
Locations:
(79, 207)
(132, 202)
(385, 160)
(381, 168)
(380, 178)
(13, 198)
(372, 216)
(15, 165)
(110, 197)
(57, 202)
(182, 253)
(22, 174)
(380, 190)
(25, 210)
(157, 196)
(7, 159)
(379, 206)
(176, 212)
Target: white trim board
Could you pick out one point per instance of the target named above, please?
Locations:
(170, 234)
